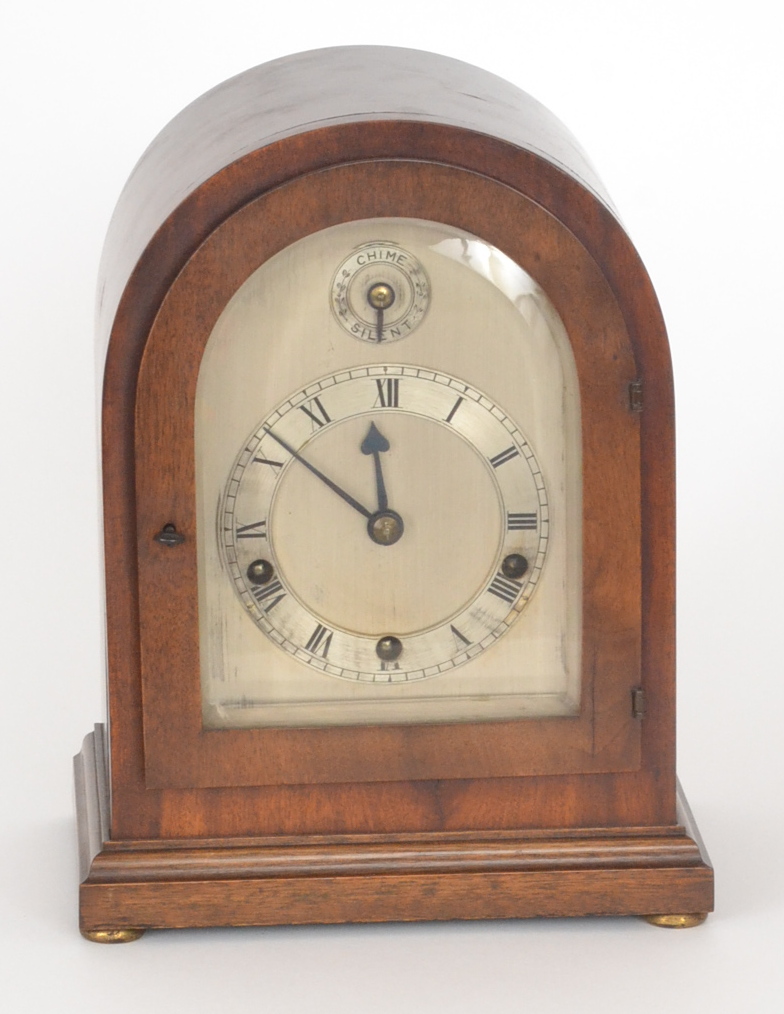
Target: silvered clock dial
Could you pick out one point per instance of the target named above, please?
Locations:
(458, 507)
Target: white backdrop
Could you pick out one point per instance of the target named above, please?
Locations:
(679, 104)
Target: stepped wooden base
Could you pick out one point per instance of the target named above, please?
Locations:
(129, 886)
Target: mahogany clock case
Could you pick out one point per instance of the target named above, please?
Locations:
(605, 736)
(182, 826)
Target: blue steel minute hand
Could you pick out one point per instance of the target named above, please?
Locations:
(320, 475)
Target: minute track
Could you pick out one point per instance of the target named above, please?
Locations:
(305, 612)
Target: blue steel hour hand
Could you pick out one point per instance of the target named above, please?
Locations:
(385, 526)
(376, 443)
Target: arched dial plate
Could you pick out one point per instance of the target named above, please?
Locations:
(387, 550)
(445, 555)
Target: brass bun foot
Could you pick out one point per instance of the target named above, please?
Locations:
(118, 936)
(677, 921)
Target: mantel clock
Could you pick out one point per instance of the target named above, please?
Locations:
(389, 519)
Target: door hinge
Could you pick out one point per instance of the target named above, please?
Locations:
(638, 703)
(635, 396)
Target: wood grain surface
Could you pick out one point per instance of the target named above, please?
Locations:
(396, 877)
(605, 737)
